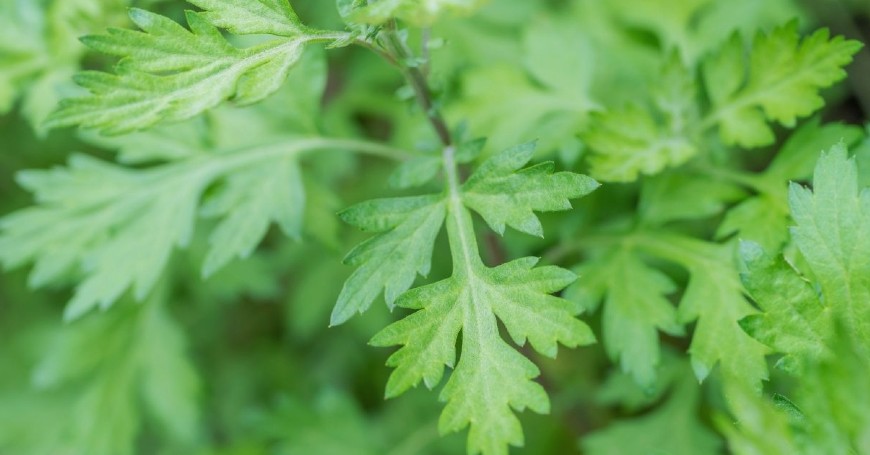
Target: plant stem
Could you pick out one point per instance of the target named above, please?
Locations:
(418, 82)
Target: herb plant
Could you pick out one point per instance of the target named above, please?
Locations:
(665, 188)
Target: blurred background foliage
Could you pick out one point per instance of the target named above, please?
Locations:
(243, 362)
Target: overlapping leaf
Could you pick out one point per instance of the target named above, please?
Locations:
(714, 298)
(832, 222)
(116, 227)
(780, 83)
(764, 218)
(636, 307)
(169, 73)
(630, 141)
(491, 379)
(653, 433)
(794, 321)
(39, 50)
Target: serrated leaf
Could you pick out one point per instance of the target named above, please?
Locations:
(491, 379)
(390, 261)
(40, 52)
(764, 218)
(628, 142)
(505, 195)
(831, 232)
(115, 227)
(794, 321)
(714, 298)
(631, 141)
(252, 199)
(168, 73)
(260, 17)
(635, 309)
(780, 83)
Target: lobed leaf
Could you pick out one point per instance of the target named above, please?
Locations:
(780, 83)
(391, 260)
(794, 321)
(116, 227)
(259, 17)
(491, 379)
(628, 142)
(636, 307)
(505, 195)
(168, 73)
(832, 234)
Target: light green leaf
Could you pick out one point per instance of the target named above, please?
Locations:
(391, 260)
(765, 218)
(551, 115)
(491, 379)
(674, 196)
(780, 83)
(260, 17)
(128, 364)
(714, 298)
(115, 227)
(760, 427)
(653, 433)
(252, 199)
(169, 73)
(505, 195)
(635, 309)
(794, 321)
(40, 50)
(628, 142)
(831, 232)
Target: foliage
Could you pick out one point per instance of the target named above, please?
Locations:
(710, 293)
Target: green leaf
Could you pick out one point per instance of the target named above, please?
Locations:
(417, 12)
(260, 17)
(636, 307)
(674, 196)
(491, 378)
(760, 428)
(714, 297)
(831, 232)
(505, 195)
(780, 83)
(391, 260)
(794, 321)
(764, 218)
(169, 73)
(252, 199)
(654, 434)
(115, 227)
(129, 364)
(630, 141)
(39, 51)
